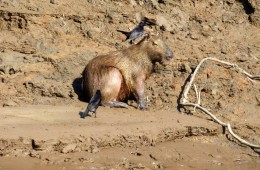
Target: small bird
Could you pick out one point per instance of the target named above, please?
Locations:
(138, 31)
(93, 104)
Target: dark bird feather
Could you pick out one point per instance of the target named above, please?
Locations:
(138, 31)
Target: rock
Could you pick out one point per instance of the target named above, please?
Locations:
(193, 35)
(224, 48)
(155, 3)
(163, 22)
(13, 69)
(86, 160)
(158, 165)
(138, 16)
(206, 30)
(93, 149)
(57, 91)
(133, 3)
(230, 1)
(54, 1)
(34, 154)
(10, 103)
(27, 141)
(69, 148)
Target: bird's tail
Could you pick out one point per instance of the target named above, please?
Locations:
(124, 32)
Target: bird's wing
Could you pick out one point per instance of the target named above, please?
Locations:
(135, 34)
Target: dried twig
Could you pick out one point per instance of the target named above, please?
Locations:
(187, 103)
(241, 140)
(197, 96)
(187, 89)
(196, 91)
(206, 111)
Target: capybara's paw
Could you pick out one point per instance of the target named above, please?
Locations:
(141, 106)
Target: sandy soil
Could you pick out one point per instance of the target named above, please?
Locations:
(44, 46)
(53, 137)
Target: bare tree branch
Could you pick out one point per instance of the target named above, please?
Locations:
(239, 139)
(187, 103)
(206, 111)
(187, 89)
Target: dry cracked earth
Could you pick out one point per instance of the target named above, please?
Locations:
(45, 45)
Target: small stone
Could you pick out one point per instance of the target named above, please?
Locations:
(155, 3)
(34, 154)
(138, 17)
(69, 148)
(9, 103)
(40, 59)
(194, 35)
(164, 23)
(214, 91)
(93, 149)
(89, 160)
(133, 3)
(27, 141)
(158, 165)
(54, 1)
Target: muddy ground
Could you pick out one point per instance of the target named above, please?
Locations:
(44, 46)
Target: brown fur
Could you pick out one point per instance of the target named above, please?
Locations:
(120, 73)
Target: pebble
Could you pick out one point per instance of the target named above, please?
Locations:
(69, 148)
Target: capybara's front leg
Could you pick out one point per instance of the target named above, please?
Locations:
(139, 93)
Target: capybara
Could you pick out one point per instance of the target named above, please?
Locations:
(122, 73)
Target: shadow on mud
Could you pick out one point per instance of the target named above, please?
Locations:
(77, 87)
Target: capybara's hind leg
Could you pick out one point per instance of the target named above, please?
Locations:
(117, 104)
(111, 87)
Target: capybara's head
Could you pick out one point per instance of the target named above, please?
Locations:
(157, 49)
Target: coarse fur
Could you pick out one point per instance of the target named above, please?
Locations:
(120, 73)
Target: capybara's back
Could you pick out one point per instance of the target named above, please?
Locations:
(120, 73)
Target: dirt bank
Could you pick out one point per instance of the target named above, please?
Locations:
(44, 46)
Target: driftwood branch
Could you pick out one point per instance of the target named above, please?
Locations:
(197, 105)
(241, 140)
(187, 89)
